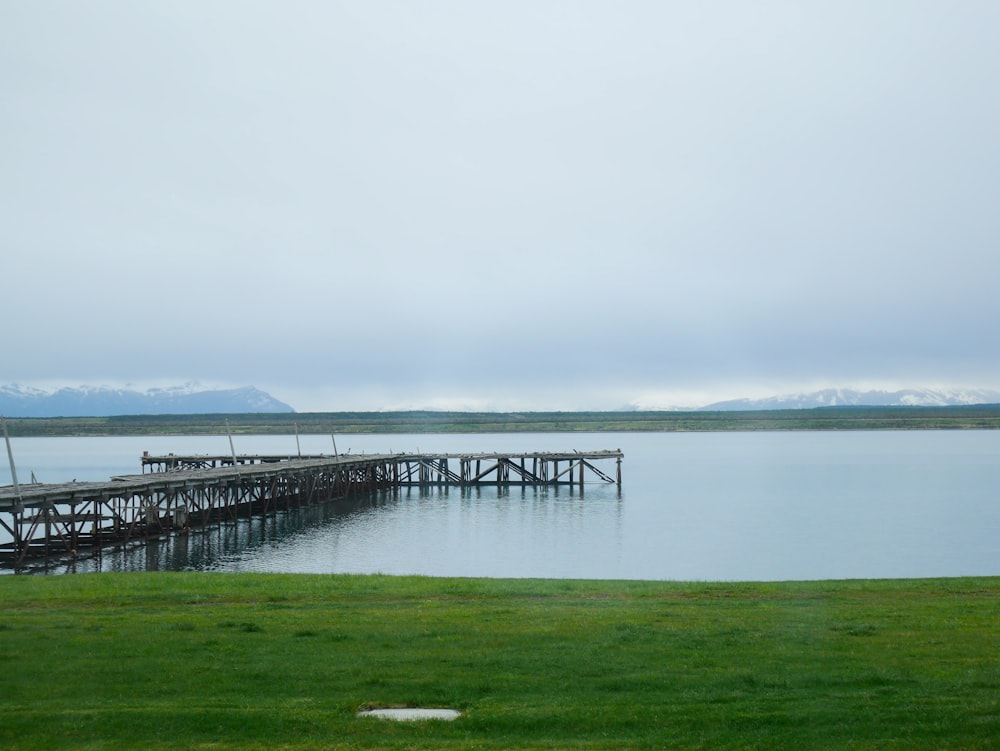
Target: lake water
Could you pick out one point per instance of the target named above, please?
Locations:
(693, 506)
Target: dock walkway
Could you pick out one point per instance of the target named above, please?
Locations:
(181, 492)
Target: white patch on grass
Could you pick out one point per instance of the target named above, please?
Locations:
(411, 713)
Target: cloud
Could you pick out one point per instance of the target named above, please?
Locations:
(574, 202)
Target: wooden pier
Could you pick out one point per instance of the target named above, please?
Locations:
(182, 492)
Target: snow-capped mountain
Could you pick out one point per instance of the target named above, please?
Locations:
(103, 401)
(853, 398)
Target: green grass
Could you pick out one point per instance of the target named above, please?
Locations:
(203, 661)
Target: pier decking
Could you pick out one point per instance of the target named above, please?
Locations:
(181, 492)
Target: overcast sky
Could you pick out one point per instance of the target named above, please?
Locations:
(511, 205)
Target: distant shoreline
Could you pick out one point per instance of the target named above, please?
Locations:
(973, 417)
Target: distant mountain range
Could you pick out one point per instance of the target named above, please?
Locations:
(102, 401)
(852, 398)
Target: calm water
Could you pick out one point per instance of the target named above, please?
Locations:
(693, 506)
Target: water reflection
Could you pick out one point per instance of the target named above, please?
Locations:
(481, 531)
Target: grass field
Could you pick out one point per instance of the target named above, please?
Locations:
(204, 661)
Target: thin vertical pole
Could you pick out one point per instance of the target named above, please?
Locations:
(10, 458)
(232, 449)
(298, 446)
(334, 439)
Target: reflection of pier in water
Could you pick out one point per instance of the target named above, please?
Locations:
(179, 492)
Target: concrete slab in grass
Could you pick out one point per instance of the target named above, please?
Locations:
(411, 713)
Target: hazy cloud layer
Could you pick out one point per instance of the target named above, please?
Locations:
(513, 204)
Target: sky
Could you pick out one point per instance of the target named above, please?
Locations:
(544, 204)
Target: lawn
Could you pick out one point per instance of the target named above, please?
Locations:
(243, 661)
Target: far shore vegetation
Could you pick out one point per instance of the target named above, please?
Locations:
(977, 417)
(271, 661)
